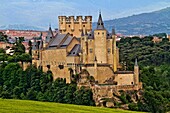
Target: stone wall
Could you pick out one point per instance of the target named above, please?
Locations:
(75, 26)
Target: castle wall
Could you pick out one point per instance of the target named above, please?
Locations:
(125, 79)
(103, 74)
(110, 51)
(75, 26)
(100, 74)
(54, 58)
(91, 51)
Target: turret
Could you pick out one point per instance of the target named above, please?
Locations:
(72, 22)
(114, 54)
(84, 45)
(136, 72)
(79, 19)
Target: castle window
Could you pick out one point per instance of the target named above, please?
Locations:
(91, 50)
(84, 26)
(48, 66)
(61, 66)
(103, 33)
(131, 82)
(98, 33)
(108, 50)
(107, 34)
(68, 25)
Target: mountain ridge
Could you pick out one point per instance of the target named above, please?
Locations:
(144, 23)
(138, 24)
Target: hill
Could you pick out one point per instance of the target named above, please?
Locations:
(145, 23)
(21, 27)
(21, 106)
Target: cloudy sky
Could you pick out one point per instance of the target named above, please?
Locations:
(43, 12)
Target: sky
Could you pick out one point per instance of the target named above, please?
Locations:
(41, 13)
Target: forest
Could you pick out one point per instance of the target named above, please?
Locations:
(154, 63)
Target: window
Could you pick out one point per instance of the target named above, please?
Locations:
(61, 66)
(84, 26)
(48, 66)
(108, 50)
(103, 33)
(131, 82)
(91, 50)
(68, 25)
(98, 33)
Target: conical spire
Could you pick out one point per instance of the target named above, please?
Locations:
(136, 62)
(100, 24)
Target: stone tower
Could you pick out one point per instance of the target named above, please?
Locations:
(136, 73)
(100, 37)
(75, 26)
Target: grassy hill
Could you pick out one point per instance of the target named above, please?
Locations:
(25, 106)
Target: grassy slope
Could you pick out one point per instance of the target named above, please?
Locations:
(25, 106)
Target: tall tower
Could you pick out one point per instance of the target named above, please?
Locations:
(100, 37)
(136, 72)
(84, 47)
(74, 26)
(114, 53)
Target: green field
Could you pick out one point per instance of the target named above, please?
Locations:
(25, 106)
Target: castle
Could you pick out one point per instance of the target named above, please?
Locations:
(74, 26)
(93, 53)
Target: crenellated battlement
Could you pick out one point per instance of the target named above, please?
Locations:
(75, 19)
(75, 25)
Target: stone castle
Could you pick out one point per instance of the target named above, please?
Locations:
(89, 53)
(74, 26)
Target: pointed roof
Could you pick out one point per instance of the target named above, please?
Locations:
(100, 24)
(136, 62)
(49, 34)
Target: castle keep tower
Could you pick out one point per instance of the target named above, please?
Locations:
(75, 26)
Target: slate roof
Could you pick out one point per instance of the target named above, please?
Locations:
(100, 24)
(75, 51)
(56, 41)
(61, 41)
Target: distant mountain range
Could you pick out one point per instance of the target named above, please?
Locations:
(141, 24)
(145, 23)
(21, 27)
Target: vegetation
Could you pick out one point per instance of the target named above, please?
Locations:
(22, 106)
(33, 84)
(154, 64)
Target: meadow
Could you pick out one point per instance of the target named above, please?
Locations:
(27, 106)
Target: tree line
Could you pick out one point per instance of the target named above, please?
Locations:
(154, 63)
